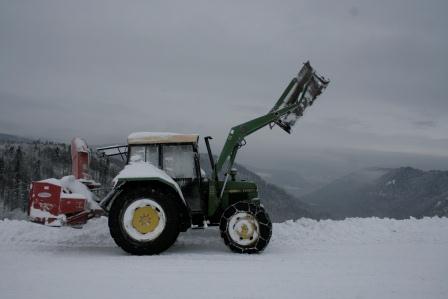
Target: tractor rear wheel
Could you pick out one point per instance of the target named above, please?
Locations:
(245, 227)
(144, 222)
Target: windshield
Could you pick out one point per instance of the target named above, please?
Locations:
(144, 153)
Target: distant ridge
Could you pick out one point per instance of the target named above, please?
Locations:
(13, 138)
(392, 193)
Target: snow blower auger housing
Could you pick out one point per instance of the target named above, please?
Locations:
(66, 201)
(162, 190)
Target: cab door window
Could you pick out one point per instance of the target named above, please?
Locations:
(178, 161)
(152, 154)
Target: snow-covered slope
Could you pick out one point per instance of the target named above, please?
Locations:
(354, 258)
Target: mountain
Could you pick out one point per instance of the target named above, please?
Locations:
(395, 193)
(292, 182)
(280, 205)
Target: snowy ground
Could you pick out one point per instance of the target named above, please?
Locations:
(354, 258)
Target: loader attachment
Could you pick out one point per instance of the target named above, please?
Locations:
(302, 91)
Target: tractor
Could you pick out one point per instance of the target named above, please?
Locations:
(163, 191)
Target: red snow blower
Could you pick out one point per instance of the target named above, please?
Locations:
(66, 201)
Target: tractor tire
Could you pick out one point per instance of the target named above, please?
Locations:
(245, 227)
(144, 222)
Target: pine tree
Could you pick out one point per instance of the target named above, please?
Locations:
(37, 171)
(2, 164)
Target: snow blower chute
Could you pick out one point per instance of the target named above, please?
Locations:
(66, 201)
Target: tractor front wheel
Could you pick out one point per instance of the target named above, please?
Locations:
(245, 227)
(143, 222)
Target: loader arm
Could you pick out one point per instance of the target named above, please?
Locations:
(235, 139)
(298, 95)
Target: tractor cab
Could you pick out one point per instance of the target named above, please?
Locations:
(177, 155)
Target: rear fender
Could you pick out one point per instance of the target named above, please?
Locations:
(123, 186)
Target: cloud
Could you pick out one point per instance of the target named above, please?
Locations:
(424, 124)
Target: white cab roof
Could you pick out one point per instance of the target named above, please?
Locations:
(161, 137)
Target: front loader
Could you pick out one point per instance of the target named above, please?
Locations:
(163, 190)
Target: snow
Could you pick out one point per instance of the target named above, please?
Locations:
(17, 213)
(59, 220)
(139, 135)
(52, 181)
(161, 137)
(80, 145)
(76, 187)
(354, 258)
(135, 170)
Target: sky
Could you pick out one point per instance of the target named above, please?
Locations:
(104, 69)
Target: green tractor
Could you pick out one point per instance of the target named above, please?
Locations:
(163, 191)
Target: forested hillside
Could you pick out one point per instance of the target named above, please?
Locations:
(23, 162)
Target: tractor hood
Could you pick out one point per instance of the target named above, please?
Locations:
(141, 171)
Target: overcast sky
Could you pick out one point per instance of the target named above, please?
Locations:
(103, 69)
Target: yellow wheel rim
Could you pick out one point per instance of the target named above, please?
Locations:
(244, 232)
(145, 219)
(243, 228)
